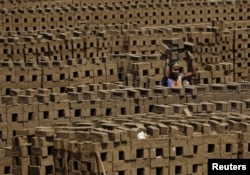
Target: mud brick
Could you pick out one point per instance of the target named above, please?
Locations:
(178, 166)
(184, 129)
(20, 141)
(173, 131)
(95, 87)
(154, 80)
(212, 146)
(153, 131)
(144, 92)
(229, 96)
(95, 167)
(6, 165)
(3, 131)
(244, 145)
(159, 147)
(21, 161)
(118, 94)
(67, 89)
(141, 66)
(92, 103)
(35, 78)
(14, 113)
(159, 161)
(3, 115)
(174, 99)
(178, 108)
(45, 132)
(9, 100)
(121, 165)
(112, 135)
(42, 98)
(133, 93)
(39, 170)
(208, 107)
(7, 78)
(124, 134)
(197, 147)
(132, 133)
(245, 87)
(108, 104)
(221, 128)
(140, 81)
(45, 112)
(192, 90)
(163, 109)
(75, 72)
(140, 162)
(16, 92)
(164, 170)
(121, 154)
(41, 151)
(178, 147)
(25, 132)
(233, 125)
(44, 91)
(222, 106)
(247, 102)
(20, 151)
(65, 135)
(194, 107)
(57, 97)
(244, 127)
(195, 167)
(45, 141)
(203, 89)
(217, 88)
(99, 136)
(203, 74)
(177, 91)
(20, 169)
(74, 96)
(82, 88)
(109, 86)
(99, 71)
(164, 129)
(61, 110)
(233, 87)
(89, 95)
(229, 145)
(24, 99)
(244, 95)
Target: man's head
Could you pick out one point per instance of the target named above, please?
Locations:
(174, 69)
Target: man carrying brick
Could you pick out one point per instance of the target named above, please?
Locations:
(172, 75)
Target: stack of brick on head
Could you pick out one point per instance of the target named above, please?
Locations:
(174, 52)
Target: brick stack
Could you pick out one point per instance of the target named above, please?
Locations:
(171, 146)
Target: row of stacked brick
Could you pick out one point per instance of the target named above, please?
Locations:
(58, 62)
(41, 107)
(172, 145)
(145, 14)
(55, 3)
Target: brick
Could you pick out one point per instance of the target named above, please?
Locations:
(14, 114)
(213, 146)
(229, 146)
(113, 135)
(178, 166)
(178, 147)
(222, 106)
(163, 109)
